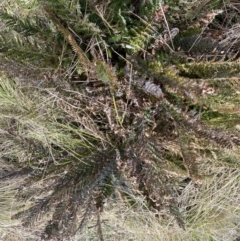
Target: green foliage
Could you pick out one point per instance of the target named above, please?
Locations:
(104, 74)
(209, 69)
(87, 20)
(30, 41)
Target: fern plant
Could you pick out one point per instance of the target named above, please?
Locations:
(144, 135)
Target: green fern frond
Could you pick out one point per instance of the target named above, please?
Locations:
(26, 27)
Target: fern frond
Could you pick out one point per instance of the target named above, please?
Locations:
(84, 61)
(14, 174)
(34, 213)
(25, 26)
(189, 157)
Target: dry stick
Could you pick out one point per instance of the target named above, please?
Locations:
(99, 226)
(197, 39)
(84, 61)
(165, 20)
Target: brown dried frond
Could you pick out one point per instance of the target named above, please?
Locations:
(221, 138)
(189, 155)
(73, 197)
(231, 40)
(156, 187)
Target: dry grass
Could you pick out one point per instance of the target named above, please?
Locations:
(211, 211)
